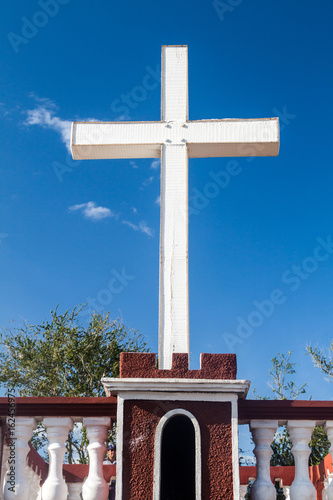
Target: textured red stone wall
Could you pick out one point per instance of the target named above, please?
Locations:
(213, 366)
(141, 420)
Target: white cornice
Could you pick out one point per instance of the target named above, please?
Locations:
(113, 386)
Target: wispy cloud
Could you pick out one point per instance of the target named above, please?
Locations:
(133, 164)
(131, 225)
(91, 211)
(142, 227)
(44, 114)
(158, 201)
(155, 164)
(146, 229)
(148, 181)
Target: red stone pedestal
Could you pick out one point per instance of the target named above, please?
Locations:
(149, 397)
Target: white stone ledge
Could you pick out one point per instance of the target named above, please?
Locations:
(175, 385)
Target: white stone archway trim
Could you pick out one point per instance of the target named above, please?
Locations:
(158, 450)
(142, 394)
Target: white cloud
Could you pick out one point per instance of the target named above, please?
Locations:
(134, 210)
(148, 181)
(145, 229)
(133, 164)
(158, 201)
(91, 211)
(155, 164)
(44, 115)
(131, 225)
(142, 227)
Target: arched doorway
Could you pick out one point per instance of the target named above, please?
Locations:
(178, 459)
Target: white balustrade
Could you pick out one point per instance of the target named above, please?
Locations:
(300, 433)
(24, 481)
(4, 469)
(243, 491)
(55, 487)
(74, 490)
(16, 480)
(263, 434)
(95, 485)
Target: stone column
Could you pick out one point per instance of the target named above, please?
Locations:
(4, 468)
(55, 487)
(16, 480)
(95, 485)
(34, 481)
(263, 434)
(300, 433)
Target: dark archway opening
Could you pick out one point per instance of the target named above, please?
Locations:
(178, 459)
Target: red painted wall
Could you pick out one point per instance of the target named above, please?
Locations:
(143, 365)
(141, 420)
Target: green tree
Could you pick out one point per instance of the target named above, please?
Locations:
(65, 357)
(323, 361)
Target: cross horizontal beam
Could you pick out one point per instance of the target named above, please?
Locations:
(204, 138)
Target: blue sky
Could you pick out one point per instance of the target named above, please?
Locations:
(260, 241)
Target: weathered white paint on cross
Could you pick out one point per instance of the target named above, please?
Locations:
(174, 139)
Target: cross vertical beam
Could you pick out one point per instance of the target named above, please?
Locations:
(173, 303)
(174, 310)
(174, 81)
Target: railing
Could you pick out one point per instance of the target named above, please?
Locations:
(300, 417)
(25, 476)
(320, 475)
(30, 478)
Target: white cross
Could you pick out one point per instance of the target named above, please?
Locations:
(174, 139)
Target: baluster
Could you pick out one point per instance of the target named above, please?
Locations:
(36, 482)
(39, 496)
(55, 487)
(300, 433)
(263, 434)
(28, 472)
(95, 485)
(33, 479)
(16, 481)
(243, 491)
(74, 490)
(4, 468)
(329, 429)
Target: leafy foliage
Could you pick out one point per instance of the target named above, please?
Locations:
(322, 361)
(65, 357)
(282, 387)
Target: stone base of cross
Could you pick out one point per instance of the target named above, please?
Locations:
(174, 139)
